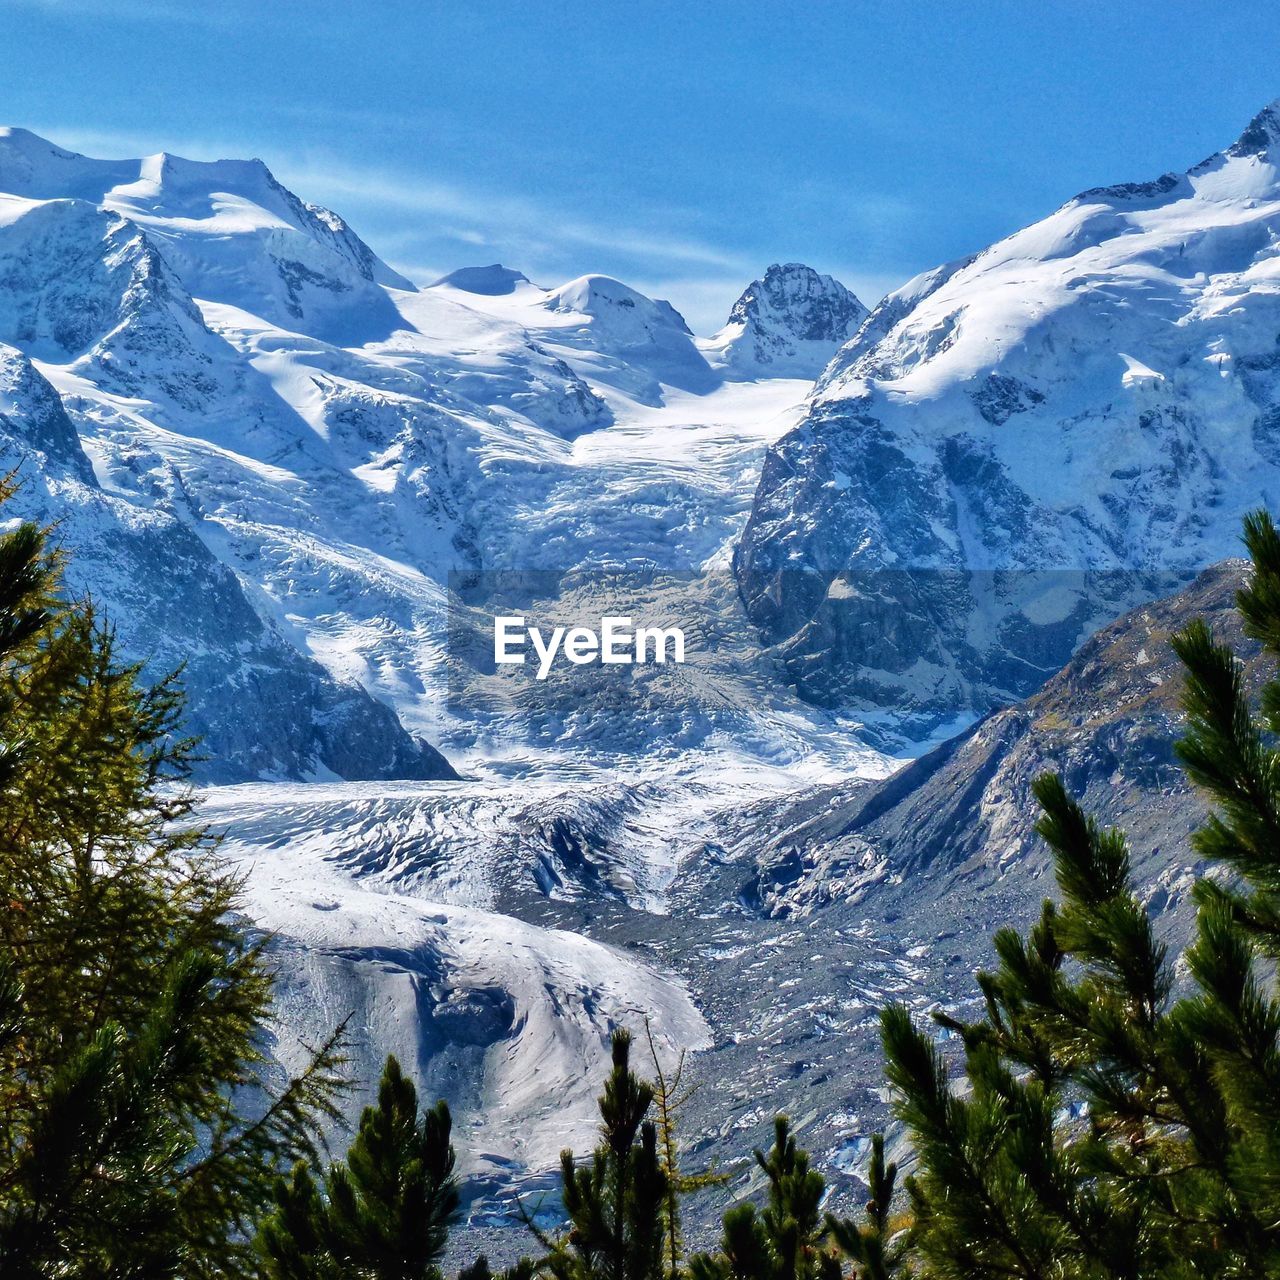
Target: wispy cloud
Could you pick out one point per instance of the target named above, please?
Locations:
(499, 215)
(118, 143)
(476, 217)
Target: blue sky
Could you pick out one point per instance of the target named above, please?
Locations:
(680, 146)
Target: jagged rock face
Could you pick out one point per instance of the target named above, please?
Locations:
(79, 282)
(1098, 395)
(36, 425)
(791, 321)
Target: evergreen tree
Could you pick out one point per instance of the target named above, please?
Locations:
(136, 1133)
(616, 1203)
(785, 1240)
(385, 1212)
(878, 1248)
(391, 1203)
(293, 1239)
(1111, 1127)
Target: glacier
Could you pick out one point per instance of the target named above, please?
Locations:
(279, 462)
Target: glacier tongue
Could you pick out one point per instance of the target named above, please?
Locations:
(509, 1020)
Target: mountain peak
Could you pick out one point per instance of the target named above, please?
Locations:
(227, 229)
(1260, 134)
(37, 169)
(815, 306)
(492, 281)
(243, 177)
(645, 341)
(793, 319)
(616, 304)
(23, 139)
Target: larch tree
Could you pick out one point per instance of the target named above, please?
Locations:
(138, 1132)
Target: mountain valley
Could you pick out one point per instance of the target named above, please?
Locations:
(924, 551)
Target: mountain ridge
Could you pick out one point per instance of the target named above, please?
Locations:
(1094, 395)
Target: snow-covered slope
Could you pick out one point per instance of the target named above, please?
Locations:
(227, 229)
(179, 607)
(1095, 399)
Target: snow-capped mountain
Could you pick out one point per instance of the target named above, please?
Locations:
(606, 316)
(1016, 445)
(227, 229)
(277, 461)
(235, 367)
(787, 322)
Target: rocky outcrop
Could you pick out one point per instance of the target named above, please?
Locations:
(958, 823)
(789, 323)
